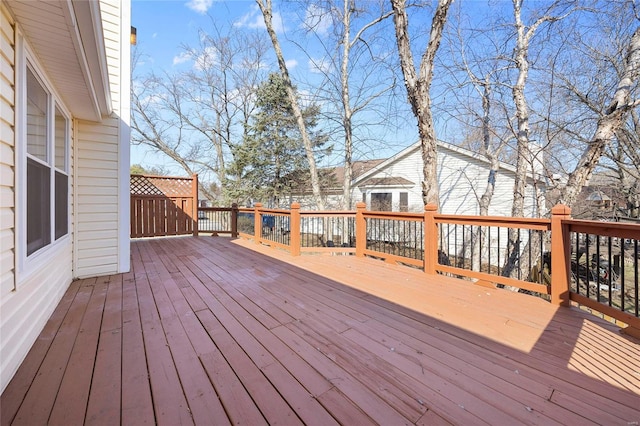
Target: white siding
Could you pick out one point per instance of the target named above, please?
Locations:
(7, 155)
(97, 188)
(462, 180)
(27, 297)
(98, 240)
(102, 238)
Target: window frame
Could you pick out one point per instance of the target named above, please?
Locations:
(27, 60)
(381, 199)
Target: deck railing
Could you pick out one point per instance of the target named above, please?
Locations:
(594, 264)
(218, 220)
(604, 271)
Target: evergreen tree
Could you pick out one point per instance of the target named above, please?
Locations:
(270, 163)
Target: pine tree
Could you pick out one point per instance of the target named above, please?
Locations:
(270, 163)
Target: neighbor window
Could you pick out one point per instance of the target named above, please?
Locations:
(404, 201)
(47, 179)
(381, 202)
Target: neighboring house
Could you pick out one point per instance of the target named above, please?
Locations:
(394, 184)
(64, 157)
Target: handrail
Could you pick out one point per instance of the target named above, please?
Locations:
(480, 248)
(501, 221)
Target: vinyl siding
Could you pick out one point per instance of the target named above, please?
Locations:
(95, 244)
(29, 296)
(7, 155)
(462, 180)
(97, 186)
(26, 311)
(102, 235)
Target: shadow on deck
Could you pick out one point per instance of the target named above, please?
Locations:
(215, 331)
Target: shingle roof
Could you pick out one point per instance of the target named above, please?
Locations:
(386, 181)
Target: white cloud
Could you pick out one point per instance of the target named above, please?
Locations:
(254, 20)
(206, 59)
(319, 66)
(181, 58)
(200, 6)
(317, 19)
(291, 63)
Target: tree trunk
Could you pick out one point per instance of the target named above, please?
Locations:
(608, 124)
(265, 7)
(418, 89)
(346, 105)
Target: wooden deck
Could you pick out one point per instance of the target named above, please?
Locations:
(213, 331)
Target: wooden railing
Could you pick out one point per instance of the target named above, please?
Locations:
(603, 267)
(218, 220)
(490, 250)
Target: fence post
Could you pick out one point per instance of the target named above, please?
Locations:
(560, 255)
(257, 222)
(430, 239)
(234, 220)
(194, 213)
(361, 229)
(294, 229)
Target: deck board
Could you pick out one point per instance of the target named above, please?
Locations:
(213, 330)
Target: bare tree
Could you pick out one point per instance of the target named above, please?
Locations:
(524, 36)
(357, 75)
(196, 117)
(348, 43)
(267, 13)
(418, 85)
(609, 123)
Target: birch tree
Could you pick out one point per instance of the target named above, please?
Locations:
(418, 84)
(267, 13)
(349, 37)
(610, 122)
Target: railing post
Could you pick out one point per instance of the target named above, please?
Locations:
(194, 213)
(430, 239)
(361, 229)
(294, 229)
(257, 222)
(560, 256)
(234, 220)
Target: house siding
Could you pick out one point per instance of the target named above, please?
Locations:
(27, 296)
(98, 239)
(7, 154)
(102, 243)
(462, 181)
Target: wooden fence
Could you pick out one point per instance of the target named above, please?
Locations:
(162, 205)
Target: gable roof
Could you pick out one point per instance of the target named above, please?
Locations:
(415, 147)
(387, 181)
(358, 169)
(67, 38)
(334, 177)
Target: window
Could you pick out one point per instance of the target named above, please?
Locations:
(46, 164)
(404, 201)
(381, 202)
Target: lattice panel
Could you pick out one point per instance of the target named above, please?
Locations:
(168, 187)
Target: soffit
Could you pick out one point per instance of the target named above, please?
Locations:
(63, 38)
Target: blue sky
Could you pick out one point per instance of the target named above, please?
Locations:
(164, 27)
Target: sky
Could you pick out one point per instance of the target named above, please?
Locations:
(165, 27)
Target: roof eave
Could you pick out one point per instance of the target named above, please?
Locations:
(88, 39)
